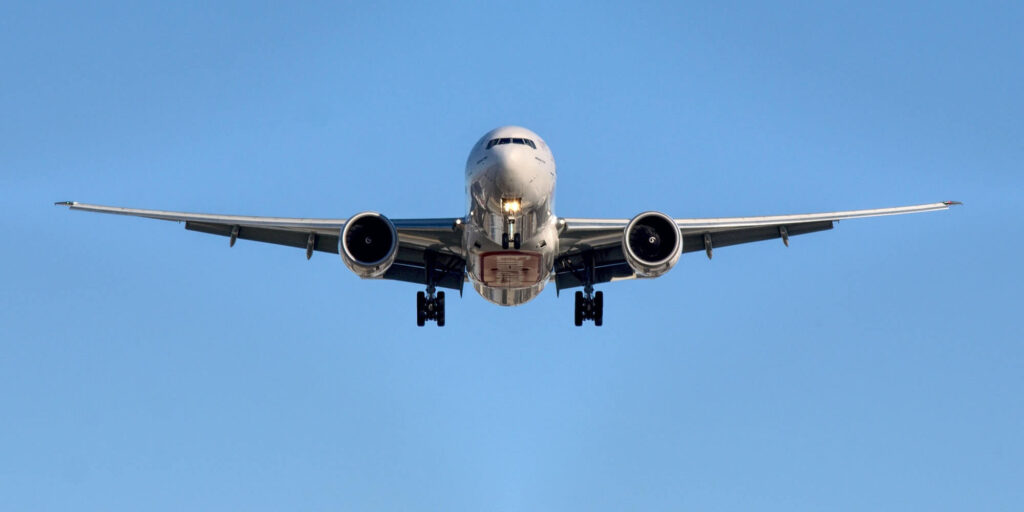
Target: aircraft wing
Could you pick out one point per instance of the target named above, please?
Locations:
(601, 239)
(442, 238)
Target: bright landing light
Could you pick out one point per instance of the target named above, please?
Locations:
(510, 205)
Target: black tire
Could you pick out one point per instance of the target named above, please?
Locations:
(440, 309)
(517, 241)
(598, 308)
(578, 317)
(421, 308)
(504, 240)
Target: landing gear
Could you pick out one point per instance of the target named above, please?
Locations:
(430, 306)
(510, 234)
(439, 314)
(589, 306)
(578, 312)
(517, 241)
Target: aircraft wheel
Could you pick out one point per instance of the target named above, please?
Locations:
(517, 241)
(578, 317)
(504, 240)
(421, 308)
(440, 309)
(598, 308)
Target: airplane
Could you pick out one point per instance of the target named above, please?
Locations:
(510, 244)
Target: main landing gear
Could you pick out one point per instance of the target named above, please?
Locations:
(430, 303)
(589, 306)
(430, 306)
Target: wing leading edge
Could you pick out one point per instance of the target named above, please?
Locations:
(422, 243)
(600, 240)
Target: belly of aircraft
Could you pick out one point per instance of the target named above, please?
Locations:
(510, 277)
(510, 269)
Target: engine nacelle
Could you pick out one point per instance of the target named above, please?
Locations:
(652, 244)
(368, 244)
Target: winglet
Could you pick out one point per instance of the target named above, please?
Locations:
(65, 203)
(951, 203)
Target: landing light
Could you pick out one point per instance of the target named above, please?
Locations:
(510, 205)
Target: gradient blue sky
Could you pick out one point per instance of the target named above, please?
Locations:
(877, 366)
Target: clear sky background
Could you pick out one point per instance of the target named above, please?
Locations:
(877, 366)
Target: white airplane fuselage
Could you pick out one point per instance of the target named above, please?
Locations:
(510, 188)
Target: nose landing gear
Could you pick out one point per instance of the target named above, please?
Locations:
(517, 241)
(511, 206)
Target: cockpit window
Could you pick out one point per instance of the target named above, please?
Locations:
(508, 140)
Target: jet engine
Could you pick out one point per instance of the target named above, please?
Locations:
(368, 244)
(652, 244)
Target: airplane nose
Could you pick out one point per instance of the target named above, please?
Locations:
(510, 172)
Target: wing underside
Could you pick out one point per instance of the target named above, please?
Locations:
(433, 246)
(598, 242)
(423, 244)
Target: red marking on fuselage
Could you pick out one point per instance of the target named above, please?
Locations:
(510, 269)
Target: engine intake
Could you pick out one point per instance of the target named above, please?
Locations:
(368, 244)
(652, 244)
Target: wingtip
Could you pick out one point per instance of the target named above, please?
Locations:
(952, 203)
(64, 203)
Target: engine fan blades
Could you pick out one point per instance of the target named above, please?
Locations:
(645, 242)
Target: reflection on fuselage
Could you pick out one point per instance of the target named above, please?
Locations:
(510, 187)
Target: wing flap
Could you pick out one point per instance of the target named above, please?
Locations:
(411, 264)
(736, 236)
(321, 242)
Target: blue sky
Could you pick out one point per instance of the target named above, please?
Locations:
(877, 366)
